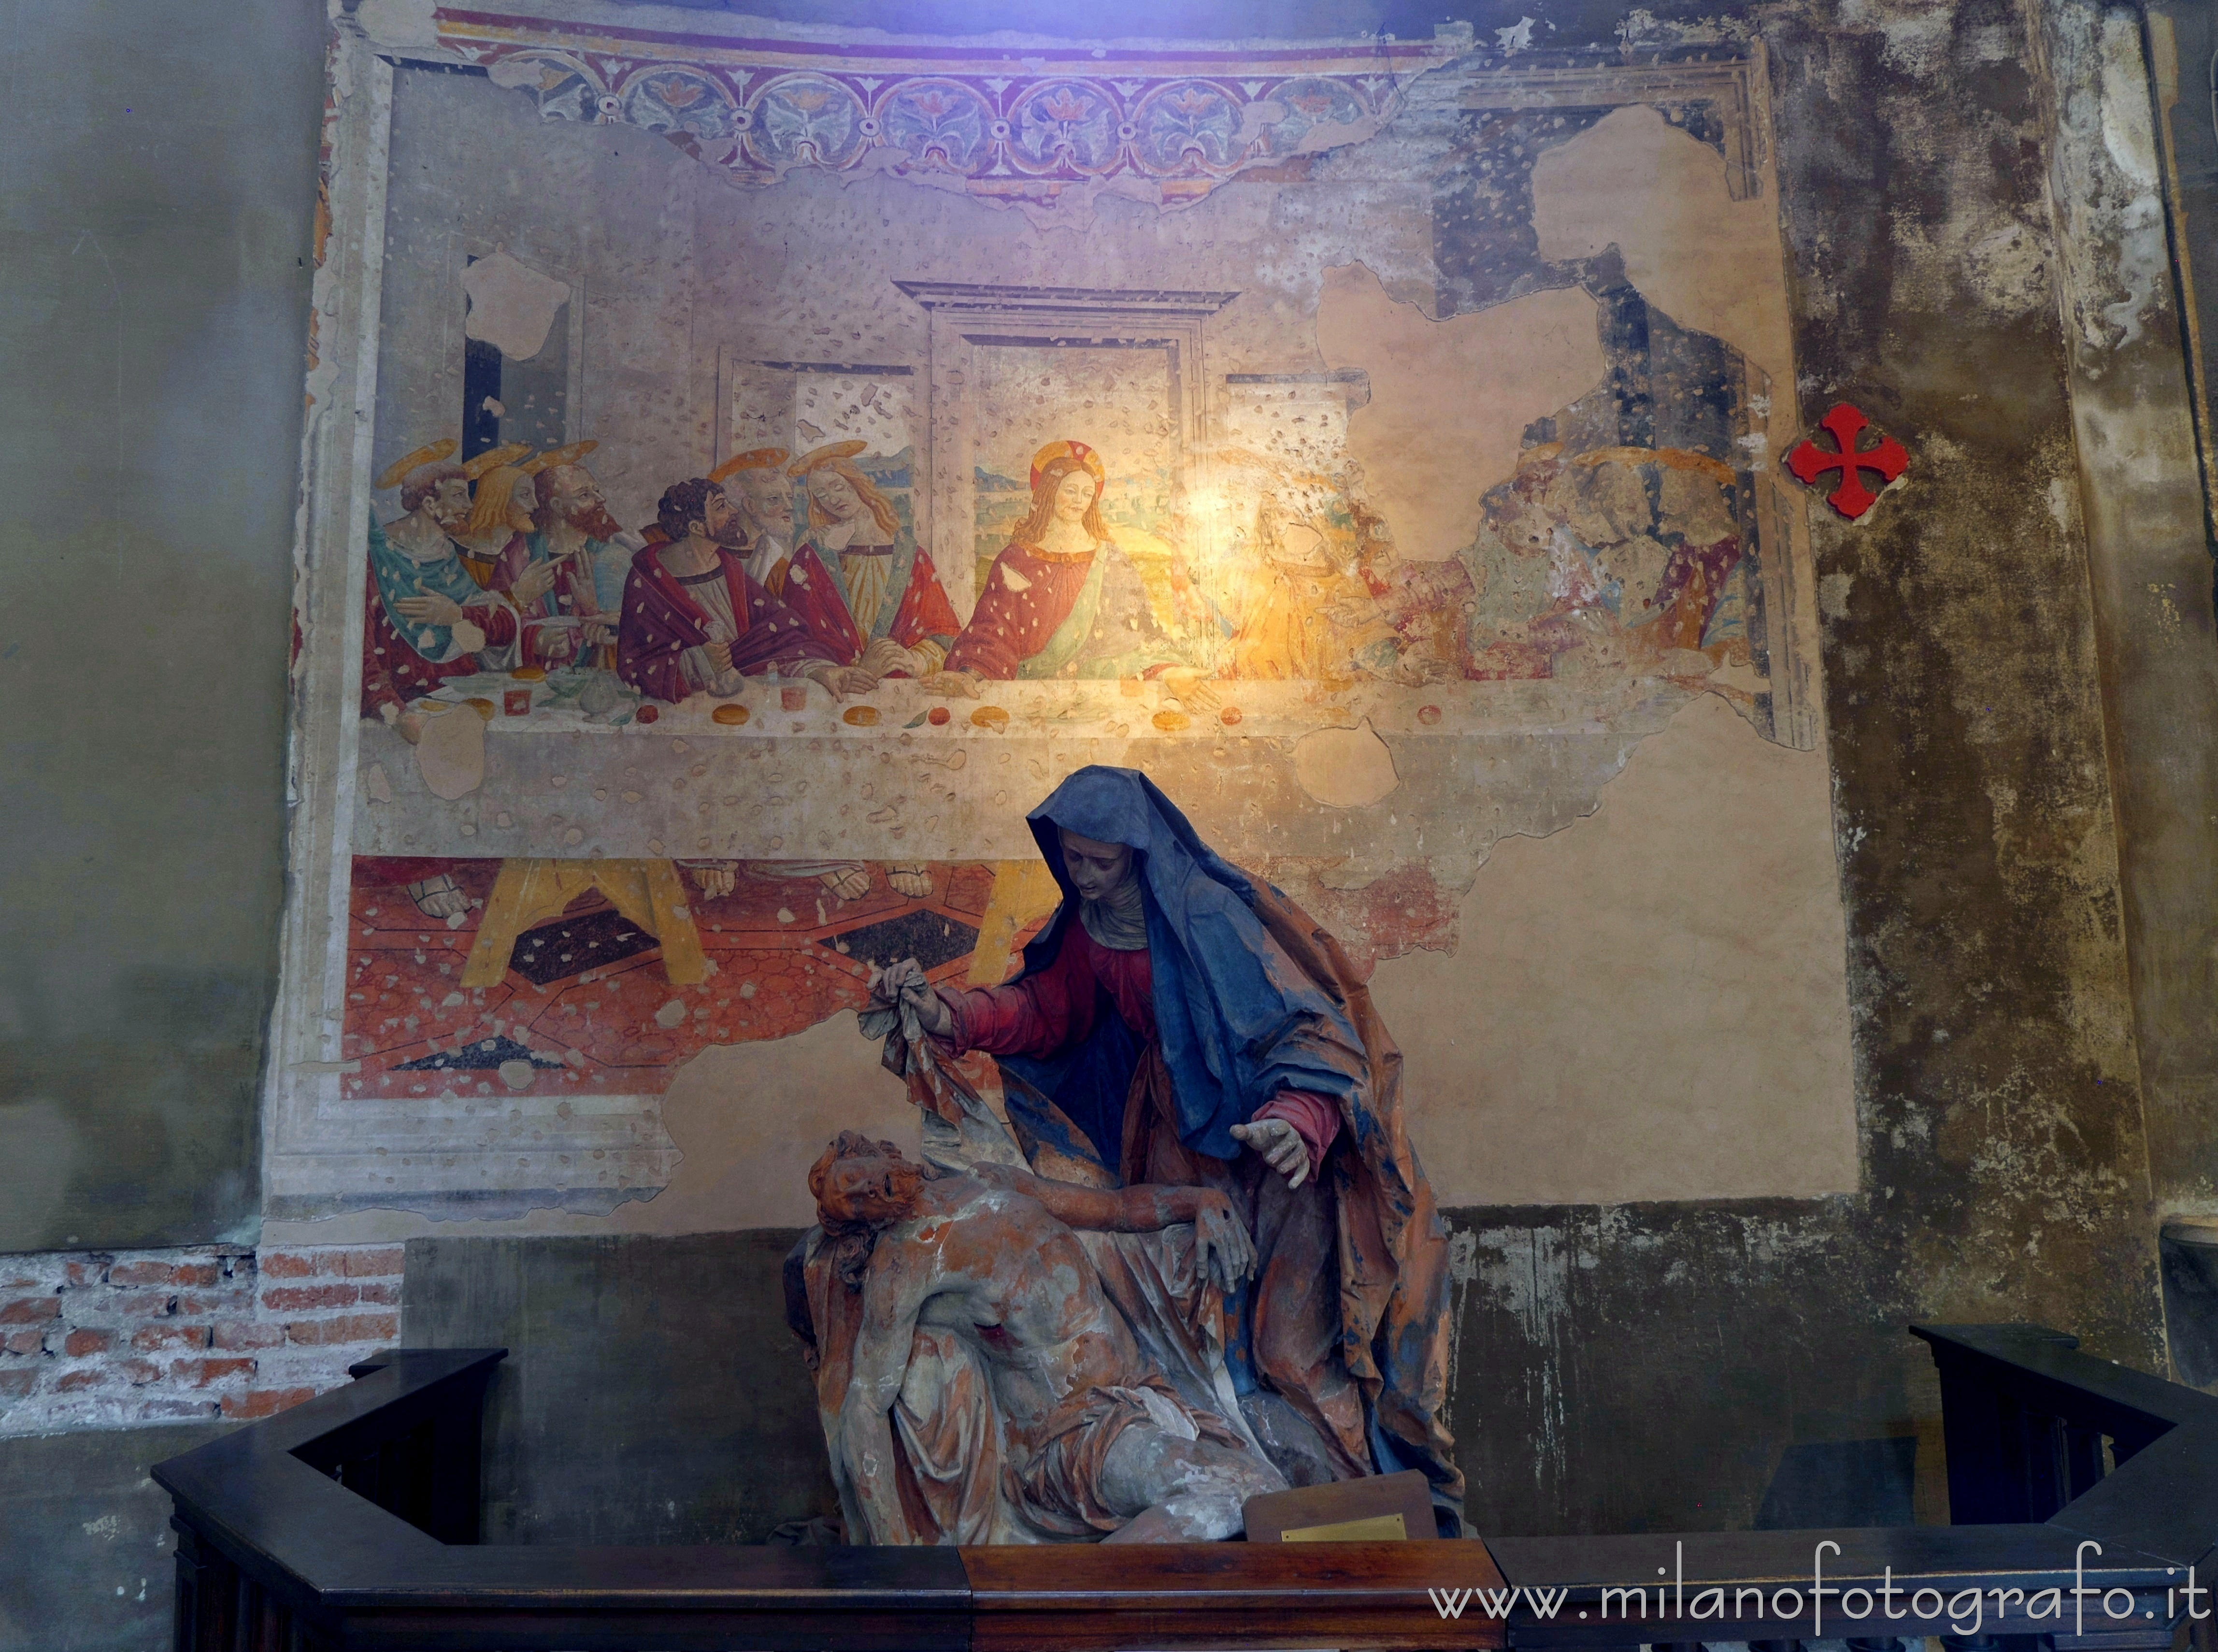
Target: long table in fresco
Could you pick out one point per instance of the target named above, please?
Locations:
(1377, 771)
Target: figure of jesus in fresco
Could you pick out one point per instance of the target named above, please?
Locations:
(1181, 1022)
(1060, 600)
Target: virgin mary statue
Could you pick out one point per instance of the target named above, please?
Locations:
(1180, 1020)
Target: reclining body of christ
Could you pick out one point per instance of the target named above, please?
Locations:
(977, 1384)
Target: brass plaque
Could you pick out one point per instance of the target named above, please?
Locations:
(1378, 1527)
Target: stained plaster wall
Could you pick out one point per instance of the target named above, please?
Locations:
(2004, 1171)
(158, 172)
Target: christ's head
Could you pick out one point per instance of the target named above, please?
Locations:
(1066, 494)
(862, 1184)
(1075, 497)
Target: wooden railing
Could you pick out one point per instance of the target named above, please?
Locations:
(351, 1521)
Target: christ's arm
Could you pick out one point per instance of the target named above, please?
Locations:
(903, 1277)
(1228, 1253)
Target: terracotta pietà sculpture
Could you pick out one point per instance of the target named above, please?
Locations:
(1199, 1262)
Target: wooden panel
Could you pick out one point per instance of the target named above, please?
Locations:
(1278, 1516)
(1324, 1595)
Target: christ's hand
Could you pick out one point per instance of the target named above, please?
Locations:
(720, 655)
(1281, 1145)
(1227, 1255)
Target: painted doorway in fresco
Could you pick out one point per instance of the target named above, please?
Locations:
(803, 406)
(1013, 366)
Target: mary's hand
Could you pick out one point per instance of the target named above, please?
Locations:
(1228, 1254)
(905, 983)
(1281, 1145)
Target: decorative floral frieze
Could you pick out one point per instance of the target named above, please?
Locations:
(1015, 124)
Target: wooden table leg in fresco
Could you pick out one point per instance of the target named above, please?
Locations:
(649, 893)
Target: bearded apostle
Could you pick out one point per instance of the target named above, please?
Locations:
(868, 593)
(577, 543)
(695, 619)
(756, 483)
(1062, 600)
(426, 618)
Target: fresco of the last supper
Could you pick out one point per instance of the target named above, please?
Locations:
(743, 486)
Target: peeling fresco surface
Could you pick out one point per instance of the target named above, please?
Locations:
(1384, 482)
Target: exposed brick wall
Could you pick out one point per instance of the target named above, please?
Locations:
(99, 1339)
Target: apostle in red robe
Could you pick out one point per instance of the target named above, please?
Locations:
(694, 620)
(1062, 600)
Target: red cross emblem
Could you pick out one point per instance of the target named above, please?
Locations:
(1850, 498)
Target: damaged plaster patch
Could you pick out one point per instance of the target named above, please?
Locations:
(451, 753)
(1612, 1058)
(2103, 184)
(1345, 768)
(1658, 195)
(512, 306)
(2127, 136)
(1833, 594)
(396, 22)
(1449, 399)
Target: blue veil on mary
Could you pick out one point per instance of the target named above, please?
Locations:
(1237, 1021)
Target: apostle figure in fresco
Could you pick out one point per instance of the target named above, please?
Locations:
(756, 483)
(694, 619)
(1062, 600)
(1428, 605)
(1306, 616)
(426, 619)
(500, 508)
(1181, 1022)
(585, 550)
(976, 1375)
(870, 595)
